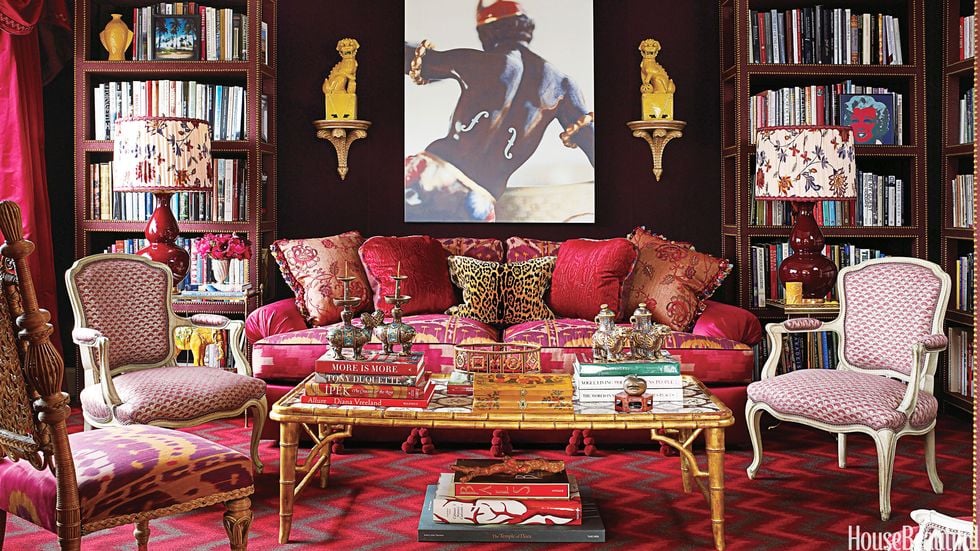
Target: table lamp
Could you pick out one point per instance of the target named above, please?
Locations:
(162, 156)
(806, 164)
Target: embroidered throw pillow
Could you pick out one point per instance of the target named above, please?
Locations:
(673, 279)
(483, 249)
(525, 248)
(502, 293)
(422, 259)
(589, 273)
(311, 267)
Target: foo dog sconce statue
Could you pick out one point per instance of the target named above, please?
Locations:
(657, 125)
(340, 125)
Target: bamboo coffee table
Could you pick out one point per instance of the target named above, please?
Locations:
(679, 425)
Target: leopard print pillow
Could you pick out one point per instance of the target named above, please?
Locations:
(502, 293)
(524, 286)
(482, 292)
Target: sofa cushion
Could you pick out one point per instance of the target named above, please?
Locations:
(311, 267)
(672, 279)
(526, 248)
(422, 259)
(590, 273)
(290, 356)
(483, 249)
(480, 282)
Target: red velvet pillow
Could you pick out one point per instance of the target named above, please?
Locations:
(423, 260)
(590, 273)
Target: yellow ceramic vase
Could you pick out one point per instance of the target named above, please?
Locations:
(116, 38)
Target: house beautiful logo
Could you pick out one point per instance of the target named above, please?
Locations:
(859, 539)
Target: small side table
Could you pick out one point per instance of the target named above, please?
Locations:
(824, 310)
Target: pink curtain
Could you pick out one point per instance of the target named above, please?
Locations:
(22, 169)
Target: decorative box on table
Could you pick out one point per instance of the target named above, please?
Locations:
(522, 392)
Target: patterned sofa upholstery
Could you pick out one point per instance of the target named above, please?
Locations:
(718, 350)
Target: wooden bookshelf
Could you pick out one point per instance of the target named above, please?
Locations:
(956, 237)
(257, 152)
(742, 79)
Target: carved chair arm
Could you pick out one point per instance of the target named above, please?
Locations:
(936, 342)
(802, 324)
(775, 331)
(95, 349)
(922, 351)
(85, 336)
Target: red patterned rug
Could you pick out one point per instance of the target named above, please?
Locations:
(800, 500)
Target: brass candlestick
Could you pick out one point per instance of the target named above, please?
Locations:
(396, 332)
(346, 335)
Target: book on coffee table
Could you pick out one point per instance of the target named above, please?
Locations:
(591, 529)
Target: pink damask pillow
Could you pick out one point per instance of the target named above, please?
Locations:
(520, 249)
(311, 267)
(672, 279)
(490, 250)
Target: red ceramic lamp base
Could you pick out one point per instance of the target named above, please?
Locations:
(161, 232)
(807, 264)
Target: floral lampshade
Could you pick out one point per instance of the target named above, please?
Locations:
(805, 163)
(162, 154)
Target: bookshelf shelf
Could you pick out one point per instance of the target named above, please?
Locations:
(796, 71)
(956, 242)
(249, 163)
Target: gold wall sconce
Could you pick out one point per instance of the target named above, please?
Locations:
(341, 133)
(657, 125)
(341, 127)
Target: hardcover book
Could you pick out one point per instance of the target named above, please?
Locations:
(399, 380)
(591, 529)
(535, 484)
(586, 367)
(505, 510)
(374, 363)
(616, 381)
(357, 390)
(607, 395)
(422, 402)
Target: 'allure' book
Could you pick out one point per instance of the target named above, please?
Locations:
(591, 529)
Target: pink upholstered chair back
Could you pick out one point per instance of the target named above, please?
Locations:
(114, 292)
(887, 307)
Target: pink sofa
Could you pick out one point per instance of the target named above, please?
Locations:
(718, 350)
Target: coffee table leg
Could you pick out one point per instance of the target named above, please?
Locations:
(288, 442)
(322, 432)
(715, 448)
(683, 434)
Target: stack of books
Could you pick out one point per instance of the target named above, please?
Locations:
(380, 380)
(540, 506)
(602, 381)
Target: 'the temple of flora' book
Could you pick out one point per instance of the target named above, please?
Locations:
(537, 484)
(375, 363)
(505, 510)
(591, 529)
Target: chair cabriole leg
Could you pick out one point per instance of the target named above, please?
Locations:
(260, 412)
(752, 418)
(885, 443)
(937, 485)
(842, 450)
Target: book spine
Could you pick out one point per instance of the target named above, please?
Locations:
(365, 391)
(641, 370)
(507, 511)
(559, 490)
(345, 378)
(607, 395)
(374, 402)
(653, 381)
(326, 366)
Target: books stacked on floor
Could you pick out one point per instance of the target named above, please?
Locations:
(535, 506)
(602, 381)
(380, 380)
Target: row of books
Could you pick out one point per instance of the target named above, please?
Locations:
(223, 106)
(215, 34)
(966, 117)
(199, 275)
(602, 381)
(766, 258)
(880, 202)
(829, 104)
(540, 504)
(960, 377)
(963, 285)
(966, 37)
(816, 350)
(825, 35)
(227, 201)
(963, 201)
(380, 380)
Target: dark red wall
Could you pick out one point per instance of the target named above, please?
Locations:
(684, 205)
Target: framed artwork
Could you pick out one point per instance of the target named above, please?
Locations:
(176, 37)
(499, 111)
(870, 116)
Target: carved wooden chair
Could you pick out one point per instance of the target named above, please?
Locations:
(76, 484)
(124, 326)
(890, 331)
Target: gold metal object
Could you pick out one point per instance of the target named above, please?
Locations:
(415, 67)
(396, 332)
(634, 385)
(829, 308)
(657, 88)
(341, 133)
(657, 133)
(341, 84)
(609, 340)
(566, 136)
(678, 427)
(346, 335)
(794, 293)
(647, 338)
(516, 357)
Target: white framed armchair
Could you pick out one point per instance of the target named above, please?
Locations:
(124, 327)
(890, 333)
